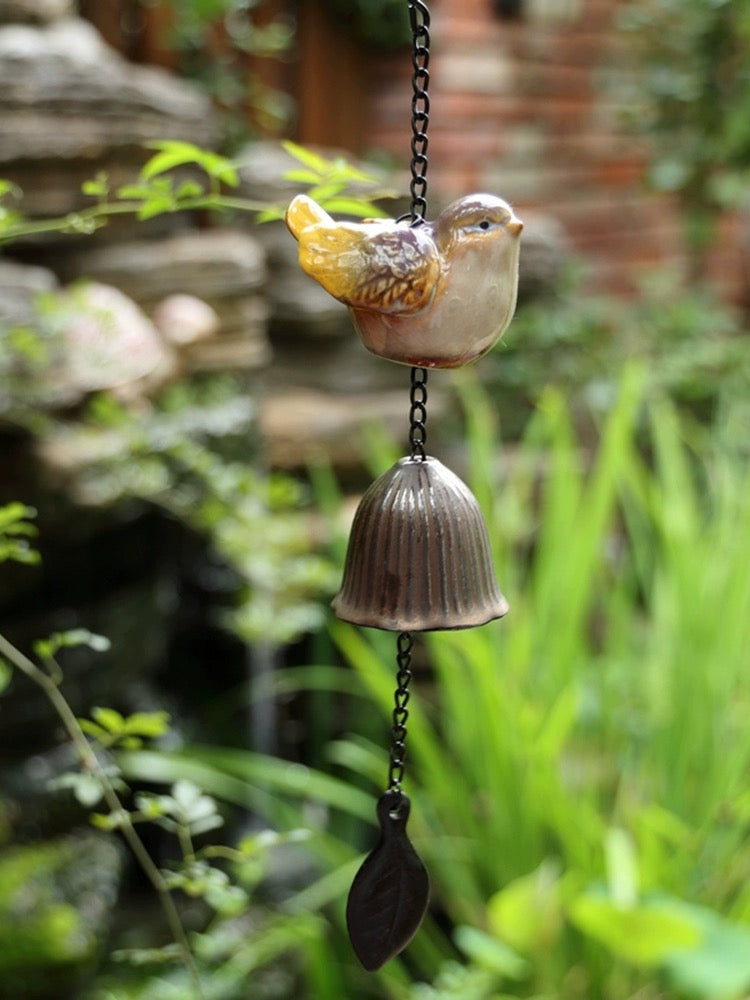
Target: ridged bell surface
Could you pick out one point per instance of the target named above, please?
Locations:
(419, 556)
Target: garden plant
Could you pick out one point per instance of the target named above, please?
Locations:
(580, 771)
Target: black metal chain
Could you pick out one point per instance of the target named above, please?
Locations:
(419, 19)
(400, 714)
(418, 413)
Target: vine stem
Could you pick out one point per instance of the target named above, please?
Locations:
(90, 763)
(95, 216)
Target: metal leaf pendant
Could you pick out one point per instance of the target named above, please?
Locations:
(389, 895)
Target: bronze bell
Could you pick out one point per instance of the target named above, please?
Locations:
(419, 555)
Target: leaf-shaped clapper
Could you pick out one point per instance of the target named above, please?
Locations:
(389, 895)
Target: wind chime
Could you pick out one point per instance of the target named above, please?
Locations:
(427, 295)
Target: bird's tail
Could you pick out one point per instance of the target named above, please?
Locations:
(304, 212)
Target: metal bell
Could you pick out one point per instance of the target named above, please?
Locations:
(419, 556)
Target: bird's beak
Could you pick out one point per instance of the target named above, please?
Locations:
(514, 226)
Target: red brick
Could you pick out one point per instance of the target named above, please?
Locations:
(543, 128)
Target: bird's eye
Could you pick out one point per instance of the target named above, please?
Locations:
(484, 224)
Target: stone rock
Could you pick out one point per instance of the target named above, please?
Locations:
(212, 264)
(108, 343)
(263, 166)
(71, 106)
(222, 267)
(235, 353)
(184, 319)
(301, 425)
(20, 285)
(64, 93)
(298, 304)
(34, 11)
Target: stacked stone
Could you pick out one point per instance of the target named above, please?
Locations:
(70, 107)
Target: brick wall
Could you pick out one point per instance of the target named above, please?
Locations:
(527, 109)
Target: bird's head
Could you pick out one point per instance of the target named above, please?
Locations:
(475, 219)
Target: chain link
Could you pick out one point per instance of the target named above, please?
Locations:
(419, 19)
(400, 717)
(418, 413)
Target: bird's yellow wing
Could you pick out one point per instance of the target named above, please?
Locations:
(379, 266)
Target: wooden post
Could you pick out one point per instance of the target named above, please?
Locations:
(330, 88)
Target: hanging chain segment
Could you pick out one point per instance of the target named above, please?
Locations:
(400, 714)
(390, 892)
(418, 413)
(419, 19)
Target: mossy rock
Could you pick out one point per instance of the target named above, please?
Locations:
(56, 898)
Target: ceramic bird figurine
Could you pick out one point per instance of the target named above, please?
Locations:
(434, 295)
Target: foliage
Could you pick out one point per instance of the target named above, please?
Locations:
(213, 40)
(16, 528)
(159, 190)
(694, 344)
(53, 912)
(375, 22)
(181, 457)
(690, 95)
(218, 961)
(176, 456)
(56, 933)
(578, 771)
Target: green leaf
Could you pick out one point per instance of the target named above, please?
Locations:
(97, 187)
(86, 787)
(48, 648)
(173, 154)
(314, 161)
(14, 529)
(270, 215)
(150, 724)
(82, 225)
(302, 176)
(152, 806)
(189, 190)
(160, 205)
(235, 775)
(527, 913)
(18, 551)
(9, 188)
(92, 729)
(326, 191)
(645, 934)
(133, 192)
(622, 868)
(719, 966)
(489, 953)
(13, 514)
(193, 807)
(88, 790)
(200, 826)
(109, 719)
(6, 674)
(353, 206)
(108, 821)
